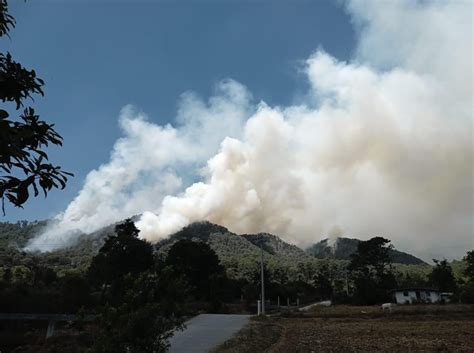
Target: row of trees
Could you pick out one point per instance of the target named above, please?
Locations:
(372, 275)
(364, 280)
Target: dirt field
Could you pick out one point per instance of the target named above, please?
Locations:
(448, 328)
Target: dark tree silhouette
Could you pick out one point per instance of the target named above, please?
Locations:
(371, 270)
(123, 253)
(323, 282)
(6, 20)
(74, 292)
(143, 303)
(372, 255)
(23, 160)
(469, 271)
(467, 289)
(198, 263)
(442, 276)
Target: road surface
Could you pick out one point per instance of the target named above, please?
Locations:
(205, 332)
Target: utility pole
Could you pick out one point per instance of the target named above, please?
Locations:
(262, 280)
(347, 283)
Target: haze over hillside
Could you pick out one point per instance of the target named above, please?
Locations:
(345, 247)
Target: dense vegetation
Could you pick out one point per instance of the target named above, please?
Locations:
(125, 281)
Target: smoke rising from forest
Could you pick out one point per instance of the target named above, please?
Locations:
(382, 145)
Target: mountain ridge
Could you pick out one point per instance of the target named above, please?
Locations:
(226, 243)
(345, 247)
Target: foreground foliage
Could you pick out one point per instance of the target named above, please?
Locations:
(24, 165)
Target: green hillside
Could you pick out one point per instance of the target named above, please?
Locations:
(17, 234)
(240, 254)
(276, 246)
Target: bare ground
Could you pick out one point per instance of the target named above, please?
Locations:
(424, 328)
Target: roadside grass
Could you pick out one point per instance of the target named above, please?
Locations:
(259, 335)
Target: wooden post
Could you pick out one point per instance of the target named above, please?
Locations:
(263, 280)
(258, 307)
(347, 283)
(287, 301)
(50, 330)
(278, 302)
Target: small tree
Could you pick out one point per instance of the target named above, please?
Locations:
(467, 290)
(442, 276)
(199, 264)
(372, 256)
(144, 302)
(146, 317)
(7, 275)
(123, 253)
(323, 282)
(371, 271)
(469, 270)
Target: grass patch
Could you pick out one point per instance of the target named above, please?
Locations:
(258, 335)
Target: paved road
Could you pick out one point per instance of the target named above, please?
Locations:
(205, 332)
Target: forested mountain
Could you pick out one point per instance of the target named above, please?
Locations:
(276, 246)
(227, 243)
(345, 247)
(14, 236)
(17, 234)
(239, 253)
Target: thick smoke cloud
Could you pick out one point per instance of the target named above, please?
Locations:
(383, 145)
(149, 162)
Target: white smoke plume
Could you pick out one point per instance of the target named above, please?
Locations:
(333, 235)
(383, 145)
(149, 162)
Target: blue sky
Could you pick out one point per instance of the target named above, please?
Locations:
(98, 56)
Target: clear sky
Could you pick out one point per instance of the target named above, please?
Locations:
(97, 56)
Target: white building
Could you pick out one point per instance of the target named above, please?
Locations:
(418, 295)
